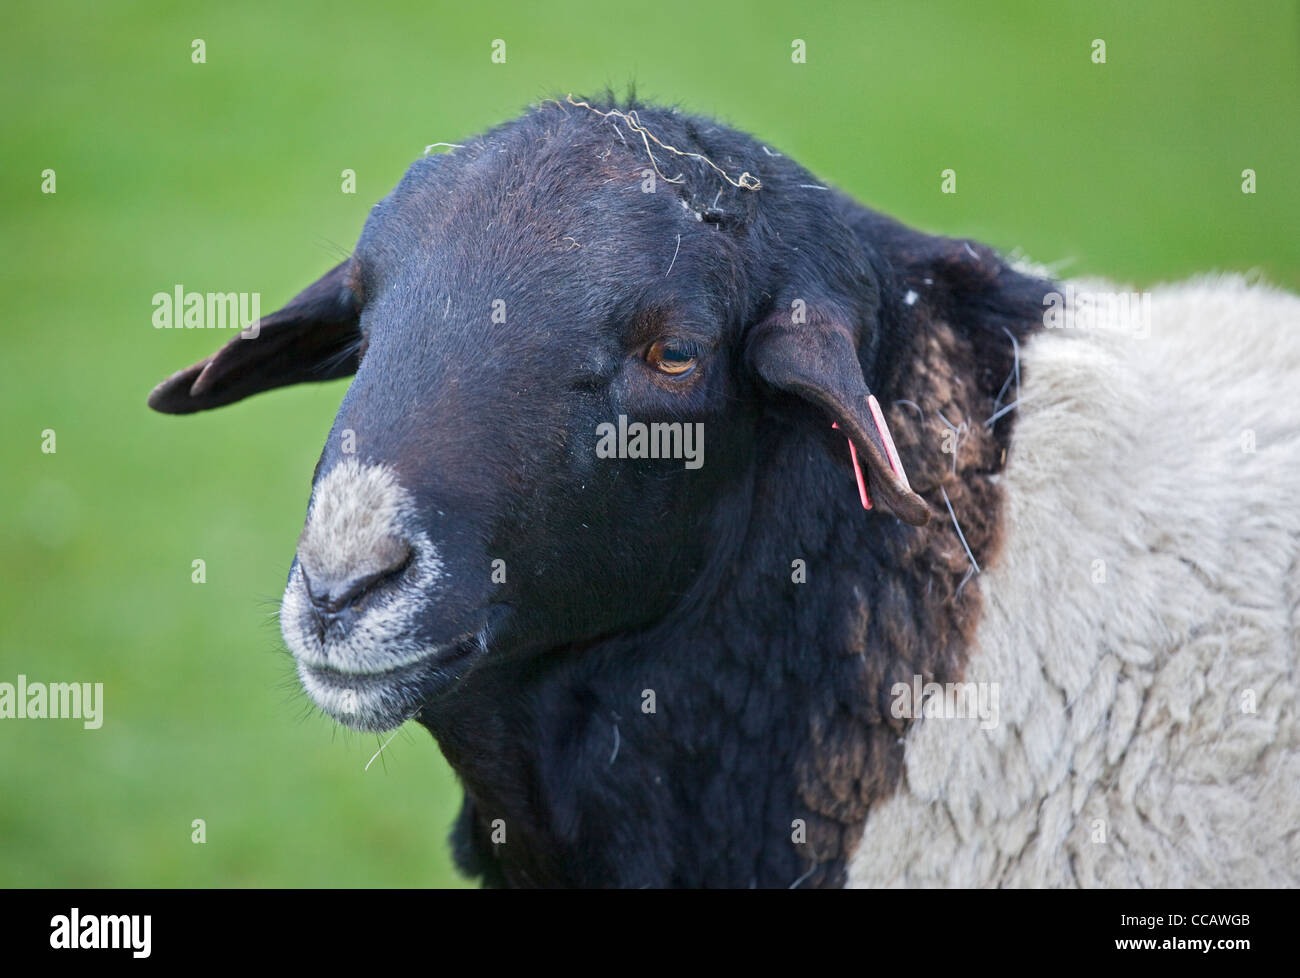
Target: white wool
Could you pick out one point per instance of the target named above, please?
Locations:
(353, 508)
(1126, 753)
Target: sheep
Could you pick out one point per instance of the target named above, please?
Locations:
(960, 594)
(1148, 726)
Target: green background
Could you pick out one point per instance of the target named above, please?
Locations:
(226, 176)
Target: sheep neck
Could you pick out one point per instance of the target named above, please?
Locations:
(745, 744)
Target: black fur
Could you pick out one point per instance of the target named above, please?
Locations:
(771, 697)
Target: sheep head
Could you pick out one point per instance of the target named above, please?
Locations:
(512, 312)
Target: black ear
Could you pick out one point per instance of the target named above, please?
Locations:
(315, 337)
(818, 361)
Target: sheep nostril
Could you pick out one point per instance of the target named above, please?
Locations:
(336, 591)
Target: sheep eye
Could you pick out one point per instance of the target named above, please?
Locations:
(673, 357)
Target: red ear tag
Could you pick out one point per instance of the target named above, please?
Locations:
(891, 452)
(857, 471)
(895, 462)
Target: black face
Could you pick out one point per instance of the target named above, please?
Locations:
(561, 356)
(500, 344)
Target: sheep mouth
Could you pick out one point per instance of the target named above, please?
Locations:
(383, 700)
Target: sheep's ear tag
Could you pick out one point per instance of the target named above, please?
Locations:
(891, 452)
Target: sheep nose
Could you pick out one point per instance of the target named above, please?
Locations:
(338, 590)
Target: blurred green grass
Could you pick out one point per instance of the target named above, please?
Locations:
(226, 176)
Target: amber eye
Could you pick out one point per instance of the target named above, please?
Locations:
(676, 358)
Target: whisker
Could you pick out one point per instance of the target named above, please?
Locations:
(973, 562)
(390, 740)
